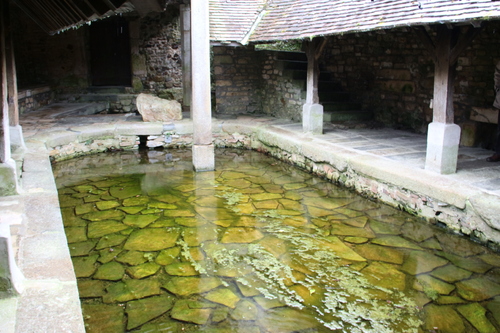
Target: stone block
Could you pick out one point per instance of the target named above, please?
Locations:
(16, 138)
(442, 148)
(203, 158)
(8, 179)
(469, 134)
(312, 118)
(11, 278)
(484, 115)
(139, 129)
(154, 109)
(61, 138)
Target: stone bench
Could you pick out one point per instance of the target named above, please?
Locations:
(470, 128)
(484, 115)
(11, 277)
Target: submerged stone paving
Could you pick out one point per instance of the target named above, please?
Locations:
(461, 200)
(259, 246)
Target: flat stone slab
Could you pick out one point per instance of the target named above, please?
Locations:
(152, 239)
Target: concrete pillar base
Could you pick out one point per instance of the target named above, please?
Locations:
(9, 272)
(312, 118)
(17, 138)
(203, 157)
(442, 148)
(8, 178)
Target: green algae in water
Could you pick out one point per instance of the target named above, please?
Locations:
(293, 268)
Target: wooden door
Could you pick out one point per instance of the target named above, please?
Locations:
(110, 52)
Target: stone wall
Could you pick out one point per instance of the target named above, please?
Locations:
(59, 61)
(390, 72)
(32, 99)
(160, 49)
(237, 79)
(282, 95)
(248, 81)
(62, 61)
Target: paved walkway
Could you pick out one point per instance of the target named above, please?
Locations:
(398, 146)
(409, 149)
(49, 302)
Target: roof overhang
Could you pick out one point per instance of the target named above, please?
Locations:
(55, 16)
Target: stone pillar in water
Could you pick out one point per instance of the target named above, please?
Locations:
(201, 109)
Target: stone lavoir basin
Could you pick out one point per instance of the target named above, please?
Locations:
(260, 246)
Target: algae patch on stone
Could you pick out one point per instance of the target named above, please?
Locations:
(152, 239)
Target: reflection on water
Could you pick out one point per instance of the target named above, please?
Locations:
(260, 246)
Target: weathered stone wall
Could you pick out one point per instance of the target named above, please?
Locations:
(160, 49)
(249, 81)
(237, 80)
(59, 61)
(62, 61)
(32, 99)
(283, 96)
(387, 72)
(391, 74)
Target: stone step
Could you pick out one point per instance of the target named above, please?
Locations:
(87, 98)
(80, 109)
(343, 116)
(107, 90)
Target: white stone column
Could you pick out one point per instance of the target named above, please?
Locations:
(201, 108)
(186, 55)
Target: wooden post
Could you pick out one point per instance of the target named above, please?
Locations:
(8, 177)
(4, 112)
(312, 96)
(443, 79)
(312, 111)
(443, 135)
(16, 131)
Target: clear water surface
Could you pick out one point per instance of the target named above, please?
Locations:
(260, 246)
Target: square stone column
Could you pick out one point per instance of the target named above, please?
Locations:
(201, 104)
(442, 148)
(312, 118)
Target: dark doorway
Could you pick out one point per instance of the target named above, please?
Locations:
(110, 52)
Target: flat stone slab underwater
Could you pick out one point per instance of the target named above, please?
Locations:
(260, 246)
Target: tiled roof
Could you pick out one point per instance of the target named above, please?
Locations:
(232, 20)
(299, 19)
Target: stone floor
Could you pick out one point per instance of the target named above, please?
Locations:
(396, 145)
(49, 301)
